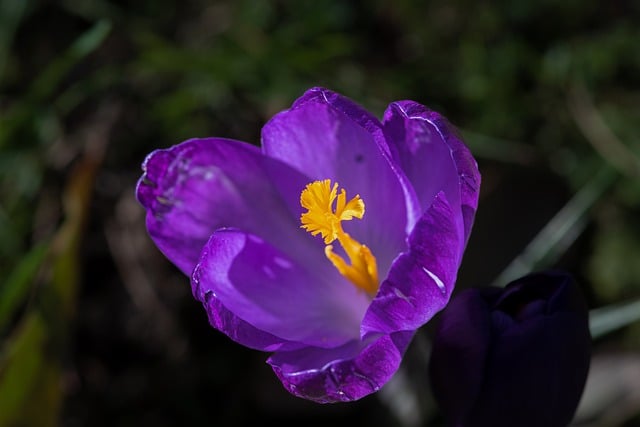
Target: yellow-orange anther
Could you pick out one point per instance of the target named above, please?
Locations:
(321, 218)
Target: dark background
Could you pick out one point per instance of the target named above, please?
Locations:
(98, 329)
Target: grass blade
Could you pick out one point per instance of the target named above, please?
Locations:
(608, 319)
(561, 231)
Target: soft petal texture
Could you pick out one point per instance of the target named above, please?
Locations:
(353, 111)
(433, 157)
(192, 189)
(266, 288)
(240, 331)
(421, 280)
(324, 140)
(342, 374)
(531, 341)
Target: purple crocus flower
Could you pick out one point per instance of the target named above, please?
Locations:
(329, 245)
(517, 356)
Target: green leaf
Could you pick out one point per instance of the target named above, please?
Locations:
(31, 358)
(17, 285)
(29, 377)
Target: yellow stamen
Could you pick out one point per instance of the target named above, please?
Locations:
(318, 198)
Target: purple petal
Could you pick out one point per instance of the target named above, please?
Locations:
(433, 157)
(461, 341)
(517, 356)
(262, 285)
(537, 370)
(422, 279)
(192, 189)
(327, 136)
(355, 112)
(241, 331)
(341, 374)
(556, 287)
(538, 364)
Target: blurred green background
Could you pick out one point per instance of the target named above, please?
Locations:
(98, 329)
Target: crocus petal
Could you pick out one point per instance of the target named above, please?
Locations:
(355, 112)
(517, 356)
(266, 288)
(553, 348)
(341, 374)
(560, 370)
(465, 331)
(324, 138)
(555, 287)
(241, 331)
(433, 157)
(196, 187)
(421, 280)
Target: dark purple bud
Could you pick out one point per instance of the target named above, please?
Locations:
(517, 356)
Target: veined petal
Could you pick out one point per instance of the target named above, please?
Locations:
(353, 111)
(341, 374)
(269, 290)
(421, 280)
(433, 157)
(192, 189)
(327, 136)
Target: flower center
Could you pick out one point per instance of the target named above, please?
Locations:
(321, 218)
